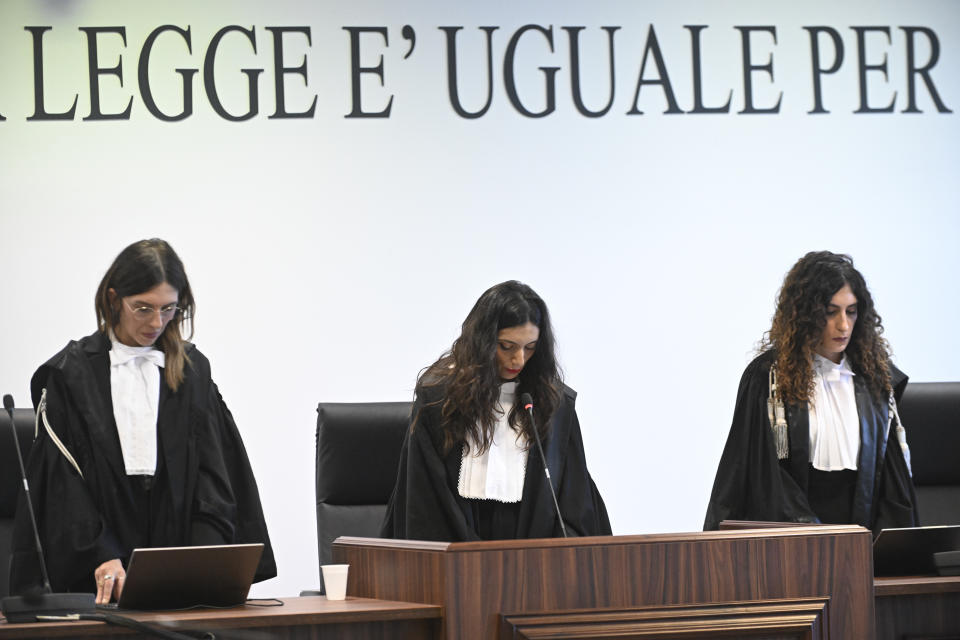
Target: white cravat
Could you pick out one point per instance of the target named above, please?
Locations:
(834, 420)
(135, 386)
(497, 473)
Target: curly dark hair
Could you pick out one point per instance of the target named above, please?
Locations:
(800, 319)
(468, 377)
(139, 268)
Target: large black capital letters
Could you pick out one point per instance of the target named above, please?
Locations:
(356, 70)
(39, 108)
(698, 107)
(815, 62)
(749, 68)
(452, 87)
(863, 67)
(924, 71)
(663, 79)
(574, 34)
(143, 76)
(95, 71)
(209, 81)
(548, 72)
(279, 71)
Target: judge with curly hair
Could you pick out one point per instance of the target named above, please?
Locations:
(816, 436)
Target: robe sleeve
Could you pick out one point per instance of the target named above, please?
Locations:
(73, 533)
(422, 505)
(897, 504)
(751, 483)
(896, 507)
(226, 507)
(584, 512)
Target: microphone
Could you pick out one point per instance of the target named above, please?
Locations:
(42, 604)
(527, 401)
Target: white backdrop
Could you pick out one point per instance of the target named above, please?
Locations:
(333, 257)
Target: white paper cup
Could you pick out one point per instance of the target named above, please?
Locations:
(335, 580)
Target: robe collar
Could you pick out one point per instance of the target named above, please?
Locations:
(873, 447)
(85, 366)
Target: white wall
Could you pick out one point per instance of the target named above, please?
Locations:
(334, 257)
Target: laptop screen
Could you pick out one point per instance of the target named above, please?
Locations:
(910, 551)
(182, 577)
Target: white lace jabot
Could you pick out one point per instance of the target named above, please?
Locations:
(834, 420)
(135, 389)
(497, 473)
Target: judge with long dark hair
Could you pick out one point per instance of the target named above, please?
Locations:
(470, 468)
(816, 435)
(135, 446)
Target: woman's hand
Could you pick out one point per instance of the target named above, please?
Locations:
(110, 577)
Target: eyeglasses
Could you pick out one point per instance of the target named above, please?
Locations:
(146, 313)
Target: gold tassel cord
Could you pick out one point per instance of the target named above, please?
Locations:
(777, 415)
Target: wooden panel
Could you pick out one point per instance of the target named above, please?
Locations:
(915, 584)
(793, 620)
(393, 630)
(918, 608)
(417, 575)
(314, 617)
(918, 617)
(481, 580)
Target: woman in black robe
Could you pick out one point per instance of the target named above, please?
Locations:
(783, 462)
(135, 447)
(470, 468)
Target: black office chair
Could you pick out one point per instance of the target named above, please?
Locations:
(10, 483)
(931, 415)
(358, 452)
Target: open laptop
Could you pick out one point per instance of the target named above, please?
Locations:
(182, 577)
(910, 551)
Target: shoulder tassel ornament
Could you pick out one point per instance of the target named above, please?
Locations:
(42, 415)
(777, 414)
(901, 433)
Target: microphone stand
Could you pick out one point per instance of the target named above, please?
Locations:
(45, 603)
(527, 402)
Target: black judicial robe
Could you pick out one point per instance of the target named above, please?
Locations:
(752, 484)
(425, 504)
(203, 492)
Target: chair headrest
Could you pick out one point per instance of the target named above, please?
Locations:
(358, 450)
(9, 468)
(931, 415)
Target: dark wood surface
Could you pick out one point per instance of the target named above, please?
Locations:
(912, 585)
(770, 583)
(796, 619)
(918, 608)
(478, 582)
(310, 617)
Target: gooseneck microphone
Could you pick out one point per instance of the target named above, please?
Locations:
(527, 401)
(38, 606)
(8, 405)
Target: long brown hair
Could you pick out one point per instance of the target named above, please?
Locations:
(139, 268)
(800, 319)
(469, 377)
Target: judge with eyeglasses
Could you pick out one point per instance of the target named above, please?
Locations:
(134, 446)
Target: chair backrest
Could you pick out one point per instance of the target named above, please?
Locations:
(931, 415)
(358, 452)
(10, 483)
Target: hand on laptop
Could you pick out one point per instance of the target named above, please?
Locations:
(109, 577)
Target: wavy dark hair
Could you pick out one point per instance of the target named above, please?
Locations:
(139, 268)
(800, 319)
(469, 378)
